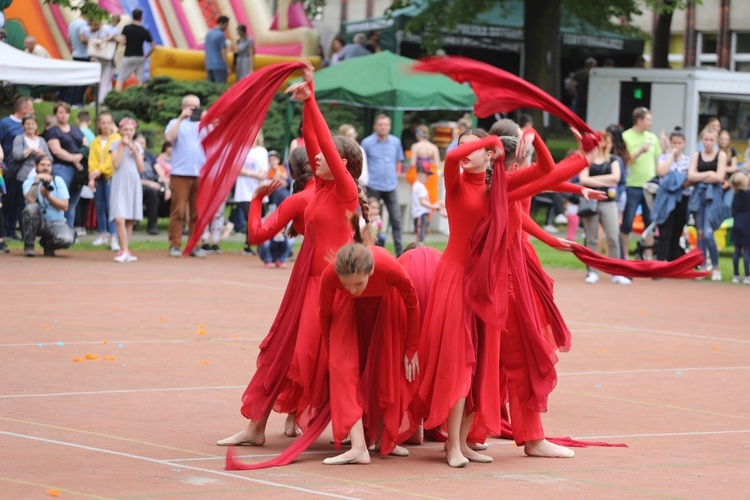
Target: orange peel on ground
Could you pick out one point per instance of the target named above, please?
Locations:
(91, 356)
(53, 493)
(204, 362)
(78, 360)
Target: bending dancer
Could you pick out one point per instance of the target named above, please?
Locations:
(369, 316)
(454, 365)
(292, 359)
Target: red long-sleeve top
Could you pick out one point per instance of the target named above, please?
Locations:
(466, 198)
(291, 209)
(334, 200)
(387, 275)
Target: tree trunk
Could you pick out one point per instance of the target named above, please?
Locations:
(662, 30)
(541, 37)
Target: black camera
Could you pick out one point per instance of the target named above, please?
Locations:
(48, 186)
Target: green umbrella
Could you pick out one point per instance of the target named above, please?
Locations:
(385, 81)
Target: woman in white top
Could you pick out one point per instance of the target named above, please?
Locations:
(254, 171)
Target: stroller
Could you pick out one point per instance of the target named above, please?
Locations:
(652, 230)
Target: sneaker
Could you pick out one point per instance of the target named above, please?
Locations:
(131, 258)
(80, 231)
(746, 281)
(49, 252)
(215, 249)
(28, 250)
(114, 245)
(122, 257)
(551, 229)
(174, 252)
(736, 280)
(592, 278)
(4, 248)
(269, 265)
(621, 280)
(206, 248)
(561, 220)
(716, 275)
(102, 239)
(198, 252)
(280, 265)
(248, 250)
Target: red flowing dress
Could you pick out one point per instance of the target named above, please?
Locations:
(327, 218)
(452, 365)
(293, 360)
(368, 336)
(420, 264)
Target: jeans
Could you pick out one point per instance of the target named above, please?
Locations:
(101, 202)
(278, 196)
(706, 241)
(275, 251)
(606, 216)
(13, 203)
(217, 75)
(239, 215)
(634, 198)
(390, 199)
(420, 226)
(54, 235)
(668, 247)
(67, 173)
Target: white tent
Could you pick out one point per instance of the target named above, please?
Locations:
(19, 67)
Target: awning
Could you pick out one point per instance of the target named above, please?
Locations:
(499, 29)
(18, 67)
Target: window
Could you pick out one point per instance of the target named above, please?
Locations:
(708, 43)
(743, 43)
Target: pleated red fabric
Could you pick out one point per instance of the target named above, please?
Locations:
(277, 349)
(233, 122)
(682, 268)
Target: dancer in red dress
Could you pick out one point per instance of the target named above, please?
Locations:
(293, 361)
(454, 365)
(369, 316)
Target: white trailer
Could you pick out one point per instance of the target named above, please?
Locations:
(684, 97)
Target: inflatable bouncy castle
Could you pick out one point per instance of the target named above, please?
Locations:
(181, 25)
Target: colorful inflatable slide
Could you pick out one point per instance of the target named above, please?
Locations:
(180, 27)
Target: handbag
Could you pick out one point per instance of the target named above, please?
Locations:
(587, 208)
(105, 51)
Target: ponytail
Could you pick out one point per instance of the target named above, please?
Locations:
(301, 172)
(365, 235)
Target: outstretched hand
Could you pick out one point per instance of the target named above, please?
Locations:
(565, 245)
(265, 189)
(307, 71)
(412, 367)
(592, 194)
(299, 91)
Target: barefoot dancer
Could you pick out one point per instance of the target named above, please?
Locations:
(369, 317)
(338, 163)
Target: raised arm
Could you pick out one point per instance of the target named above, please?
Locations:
(259, 230)
(452, 167)
(346, 188)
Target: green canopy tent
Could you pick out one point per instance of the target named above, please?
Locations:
(384, 81)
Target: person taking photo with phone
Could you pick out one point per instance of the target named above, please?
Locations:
(188, 158)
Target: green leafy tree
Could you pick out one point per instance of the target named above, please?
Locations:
(89, 8)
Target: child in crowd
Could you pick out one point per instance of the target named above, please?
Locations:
(213, 233)
(376, 221)
(83, 120)
(741, 229)
(101, 171)
(421, 206)
(126, 202)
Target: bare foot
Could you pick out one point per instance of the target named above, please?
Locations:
(455, 457)
(350, 457)
(473, 456)
(545, 449)
(290, 426)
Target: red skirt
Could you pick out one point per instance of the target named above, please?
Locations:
(420, 264)
(452, 367)
(551, 322)
(367, 377)
(292, 356)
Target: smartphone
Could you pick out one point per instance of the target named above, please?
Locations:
(196, 116)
